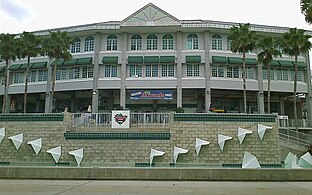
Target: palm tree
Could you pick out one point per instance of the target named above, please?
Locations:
(243, 40)
(57, 48)
(306, 10)
(268, 45)
(8, 52)
(29, 47)
(294, 43)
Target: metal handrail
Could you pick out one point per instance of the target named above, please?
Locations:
(140, 120)
(295, 137)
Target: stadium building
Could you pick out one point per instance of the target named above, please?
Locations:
(154, 62)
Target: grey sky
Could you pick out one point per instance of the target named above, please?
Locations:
(30, 15)
(15, 10)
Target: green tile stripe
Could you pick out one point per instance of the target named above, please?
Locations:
(31, 117)
(223, 117)
(116, 136)
(261, 165)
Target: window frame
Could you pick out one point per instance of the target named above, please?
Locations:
(192, 42)
(89, 44)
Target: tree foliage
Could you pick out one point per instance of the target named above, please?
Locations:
(306, 10)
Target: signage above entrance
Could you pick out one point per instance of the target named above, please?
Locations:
(151, 94)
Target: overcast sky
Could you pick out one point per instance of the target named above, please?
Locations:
(29, 15)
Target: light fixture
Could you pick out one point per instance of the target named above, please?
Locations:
(94, 92)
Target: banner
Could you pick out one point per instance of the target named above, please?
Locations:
(120, 118)
(151, 94)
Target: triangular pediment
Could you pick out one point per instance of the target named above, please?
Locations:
(150, 15)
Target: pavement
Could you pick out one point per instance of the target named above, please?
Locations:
(107, 187)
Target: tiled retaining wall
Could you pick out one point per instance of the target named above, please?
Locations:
(113, 147)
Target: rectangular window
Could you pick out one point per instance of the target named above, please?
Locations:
(71, 73)
(112, 44)
(167, 70)
(18, 77)
(110, 71)
(63, 73)
(265, 74)
(220, 71)
(232, 72)
(151, 44)
(299, 75)
(42, 75)
(135, 71)
(32, 76)
(151, 71)
(136, 44)
(90, 72)
(77, 72)
(84, 72)
(282, 75)
(249, 72)
(167, 44)
(192, 70)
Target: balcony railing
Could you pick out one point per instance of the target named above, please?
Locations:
(283, 121)
(140, 120)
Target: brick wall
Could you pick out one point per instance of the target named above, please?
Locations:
(128, 152)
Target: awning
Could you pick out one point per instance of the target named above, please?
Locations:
(110, 60)
(219, 59)
(82, 61)
(70, 62)
(39, 65)
(234, 60)
(151, 59)
(193, 59)
(167, 59)
(301, 64)
(251, 61)
(135, 59)
(274, 63)
(24, 66)
(57, 62)
(285, 63)
(14, 67)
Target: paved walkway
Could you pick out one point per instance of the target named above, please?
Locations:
(77, 187)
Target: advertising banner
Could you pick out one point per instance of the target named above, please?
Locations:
(151, 94)
(121, 119)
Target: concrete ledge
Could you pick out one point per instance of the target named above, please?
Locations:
(187, 174)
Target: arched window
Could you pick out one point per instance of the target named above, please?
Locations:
(111, 42)
(75, 47)
(136, 42)
(151, 42)
(167, 42)
(216, 43)
(89, 44)
(192, 41)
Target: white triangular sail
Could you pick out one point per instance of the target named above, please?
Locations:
(305, 160)
(241, 133)
(36, 145)
(56, 153)
(222, 139)
(177, 151)
(250, 161)
(155, 153)
(78, 154)
(262, 129)
(291, 161)
(199, 143)
(17, 140)
(2, 134)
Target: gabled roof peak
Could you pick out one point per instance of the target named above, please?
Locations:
(150, 15)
